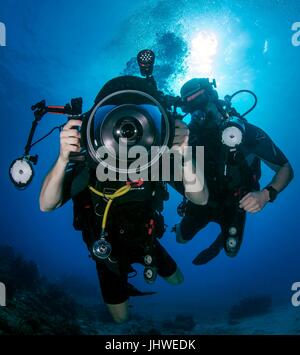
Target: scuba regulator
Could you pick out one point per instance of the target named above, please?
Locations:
(234, 126)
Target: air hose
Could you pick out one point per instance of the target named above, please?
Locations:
(101, 248)
(230, 97)
(111, 197)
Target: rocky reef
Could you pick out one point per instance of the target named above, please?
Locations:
(250, 307)
(34, 306)
(181, 323)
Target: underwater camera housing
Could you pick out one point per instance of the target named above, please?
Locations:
(128, 111)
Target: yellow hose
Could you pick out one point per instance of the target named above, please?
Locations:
(120, 192)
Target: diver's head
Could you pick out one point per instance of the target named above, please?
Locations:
(200, 100)
(198, 94)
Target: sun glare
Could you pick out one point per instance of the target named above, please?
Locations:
(203, 50)
(203, 47)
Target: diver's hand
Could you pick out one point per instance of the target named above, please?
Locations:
(255, 201)
(69, 140)
(195, 188)
(181, 136)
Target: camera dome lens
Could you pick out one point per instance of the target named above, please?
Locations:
(124, 120)
(128, 128)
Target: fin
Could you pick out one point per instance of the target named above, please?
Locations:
(134, 292)
(210, 253)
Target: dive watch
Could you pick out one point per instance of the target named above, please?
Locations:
(272, 193)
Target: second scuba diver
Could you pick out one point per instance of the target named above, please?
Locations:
(233, 152)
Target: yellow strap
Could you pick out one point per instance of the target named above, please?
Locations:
(120, 192)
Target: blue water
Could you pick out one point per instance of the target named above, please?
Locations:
(58, 50)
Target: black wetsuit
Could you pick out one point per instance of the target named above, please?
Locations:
(126, 228)
(243, 171)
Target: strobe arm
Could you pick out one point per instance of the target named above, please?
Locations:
(40, 109)
(21, 171)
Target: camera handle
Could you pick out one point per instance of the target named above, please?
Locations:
(76, 157)
(40, 110)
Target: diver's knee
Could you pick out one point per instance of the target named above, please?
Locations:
(179, 237)
(119, 312)
(120, 319)
(175, 279)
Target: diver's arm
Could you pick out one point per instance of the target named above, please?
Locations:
(256, 201)
(268, 152)
(195, 188)
(271, 155)
(52, 190)
(282, 178)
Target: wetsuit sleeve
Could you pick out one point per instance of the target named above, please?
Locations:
(266, 150)
(75, 181)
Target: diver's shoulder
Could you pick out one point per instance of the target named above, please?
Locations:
(254, 132)
(251, 126)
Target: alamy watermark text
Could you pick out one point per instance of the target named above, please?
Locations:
(2, 34)
(296, 295)
(135, 163)
(296, 35)
(2, 295)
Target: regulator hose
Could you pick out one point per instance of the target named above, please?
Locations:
(230, 97)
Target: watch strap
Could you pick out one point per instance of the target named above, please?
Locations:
(272, 193)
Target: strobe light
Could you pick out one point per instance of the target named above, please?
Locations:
(233, 132)
(146, 60)
(21, 172)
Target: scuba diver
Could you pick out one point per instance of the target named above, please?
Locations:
(127, 213)
(233, 152)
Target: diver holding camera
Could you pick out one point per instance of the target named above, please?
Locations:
(234, 150)
(121, 221)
